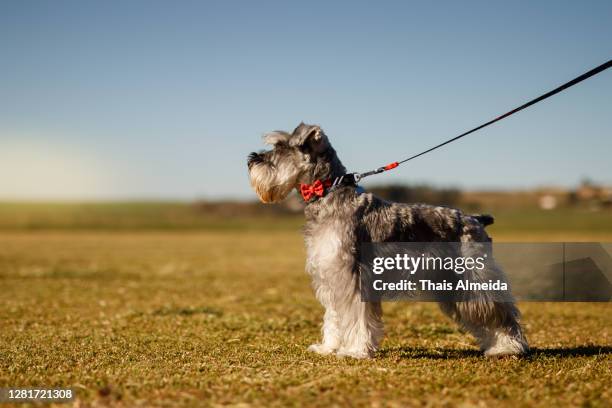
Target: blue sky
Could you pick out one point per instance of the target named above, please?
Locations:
(119, 100)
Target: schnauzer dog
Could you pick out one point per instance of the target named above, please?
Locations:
(341, 217)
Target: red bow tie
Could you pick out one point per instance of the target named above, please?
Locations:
(317, 188)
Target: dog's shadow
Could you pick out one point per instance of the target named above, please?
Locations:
(534, 353)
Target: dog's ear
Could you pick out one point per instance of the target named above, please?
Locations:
(278, 136)
(310, 138)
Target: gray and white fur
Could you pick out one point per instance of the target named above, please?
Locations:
(336, 225)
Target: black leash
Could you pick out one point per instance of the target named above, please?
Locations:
(355, 177)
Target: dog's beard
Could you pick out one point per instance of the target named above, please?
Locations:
(271, 185)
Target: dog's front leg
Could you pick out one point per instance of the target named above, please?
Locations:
(330, 331)
(350, 327)
(361, 326)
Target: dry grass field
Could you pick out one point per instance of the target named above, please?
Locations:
(212, 316)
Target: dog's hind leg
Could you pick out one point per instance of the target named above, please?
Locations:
(494, 323)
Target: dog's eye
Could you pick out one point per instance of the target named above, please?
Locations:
(306, 152)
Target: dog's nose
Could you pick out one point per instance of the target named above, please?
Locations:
(254, 158)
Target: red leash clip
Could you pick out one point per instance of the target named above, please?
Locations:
(391, 166)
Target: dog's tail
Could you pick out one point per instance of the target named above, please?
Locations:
(484, 219)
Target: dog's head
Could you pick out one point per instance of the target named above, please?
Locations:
(298, 157)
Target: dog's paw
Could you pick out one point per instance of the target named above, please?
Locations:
(359, 354)
(507, 346)
(321, 349)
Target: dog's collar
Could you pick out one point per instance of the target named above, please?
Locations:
(318, 189)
